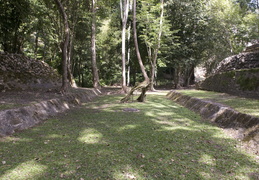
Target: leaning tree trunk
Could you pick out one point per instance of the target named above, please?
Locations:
(64, 46)
(136, 43)
(145, 85)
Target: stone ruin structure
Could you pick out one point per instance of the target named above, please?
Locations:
(237, 75)
(18, 72)
(28, 87)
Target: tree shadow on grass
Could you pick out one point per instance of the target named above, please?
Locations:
(161, 141)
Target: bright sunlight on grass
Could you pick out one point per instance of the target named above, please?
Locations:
(243, 105)
(101, 140)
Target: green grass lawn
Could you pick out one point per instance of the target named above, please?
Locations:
(243, 105)
(102, 140)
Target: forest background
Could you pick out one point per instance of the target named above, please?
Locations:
(93, 43)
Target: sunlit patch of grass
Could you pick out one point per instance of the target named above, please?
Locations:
(24, 171)
(207, 159)
(127, 172)
(15, 139)
(127, 127)
(244, 105)
(90, 136)
(53, 136)
(101, 141)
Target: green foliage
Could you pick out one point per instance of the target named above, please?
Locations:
(248, 83)
(149, 24)
(230, 74)
(13, 24)
(193, 32)
(232, 26)
(109, 52)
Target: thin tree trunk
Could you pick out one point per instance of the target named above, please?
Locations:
(136, 43)
(124, 6)
(79, 72)
(153, 69)
(123, 54)
(36, 46)
(15, 41)
(145, 85)
(94, 64)
(128, 61)
(154, 60)
(177, 77)
(83, 80)
(69, 62)
(128, 76)
(64, 46)
(44, 50)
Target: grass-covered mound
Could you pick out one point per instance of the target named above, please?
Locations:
(241, 104)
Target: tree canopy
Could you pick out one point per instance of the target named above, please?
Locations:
(173, 37)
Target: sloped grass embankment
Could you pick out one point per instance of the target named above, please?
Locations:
(104, 139)
(241, 104)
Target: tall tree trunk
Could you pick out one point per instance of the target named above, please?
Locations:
(15, 41)
(145, 85)
(153, 71)
(69, 62)
(189, 73)
(64, 46)
(177, 74)
(128, 61)
(136, 43)
(94, 64)
(124, 6)
(154, 59)
(36, 45)
(79, 72)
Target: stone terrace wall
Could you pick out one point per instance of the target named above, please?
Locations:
(237, 75)
(245, 60)
(242, 82)
(13, 120)
(240, 126)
